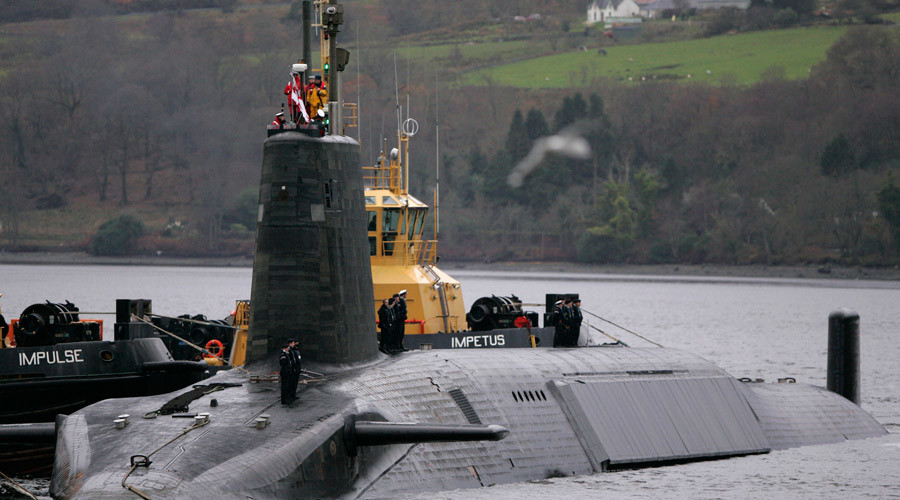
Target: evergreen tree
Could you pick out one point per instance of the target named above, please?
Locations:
(535, 124)
(572, 109)
(600, 137)
(517, 143)
(495, 186)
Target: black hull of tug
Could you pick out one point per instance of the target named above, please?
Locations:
(37, 383)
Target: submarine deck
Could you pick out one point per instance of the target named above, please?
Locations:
(569, 411)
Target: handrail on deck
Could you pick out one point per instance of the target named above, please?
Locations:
(382, 177)
(418, 252)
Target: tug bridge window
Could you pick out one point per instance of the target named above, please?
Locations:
(372, 227)
(386, 225)
(391, 221)
(416, 220)
(389, 227)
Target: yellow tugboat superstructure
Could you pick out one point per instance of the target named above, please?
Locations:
(401, 258)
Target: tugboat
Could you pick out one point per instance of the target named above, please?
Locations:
(54, 362)
(403, 260)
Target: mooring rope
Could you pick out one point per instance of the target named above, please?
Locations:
(18, 487)
(608, 335)
(195, 346)
(197, 321)
(146, 462)
(621, 327)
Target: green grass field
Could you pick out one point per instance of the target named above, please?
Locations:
(469, 51)
(738, 58)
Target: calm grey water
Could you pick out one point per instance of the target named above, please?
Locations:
(757, 328)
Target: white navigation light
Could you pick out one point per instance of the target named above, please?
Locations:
(298, 68)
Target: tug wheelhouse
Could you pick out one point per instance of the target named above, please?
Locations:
(401, 256)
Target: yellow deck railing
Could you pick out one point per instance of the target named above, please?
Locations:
(382, 177)
(417, 252)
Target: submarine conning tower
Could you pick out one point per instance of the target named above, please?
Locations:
(311, 274)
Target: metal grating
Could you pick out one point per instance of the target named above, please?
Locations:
(463, 402)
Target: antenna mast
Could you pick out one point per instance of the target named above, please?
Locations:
(437, 158)
(332, 16)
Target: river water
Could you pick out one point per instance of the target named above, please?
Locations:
(758, 328)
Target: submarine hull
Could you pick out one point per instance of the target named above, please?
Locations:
(568, 412)
(38, 383)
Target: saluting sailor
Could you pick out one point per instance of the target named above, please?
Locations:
(556, 319)
(400, 322)
(286, 361)
(577, 319)
(294, 346)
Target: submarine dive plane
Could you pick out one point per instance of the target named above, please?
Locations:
(366, 425)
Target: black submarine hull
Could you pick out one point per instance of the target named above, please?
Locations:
(568, 412)
(39, 383)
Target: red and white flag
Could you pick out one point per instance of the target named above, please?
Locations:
(297, 98)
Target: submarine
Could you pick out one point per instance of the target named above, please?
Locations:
(54, 361)
(367, 425)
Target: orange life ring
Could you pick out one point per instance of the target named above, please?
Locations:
(220, 349)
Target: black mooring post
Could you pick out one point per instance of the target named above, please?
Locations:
(843, 354)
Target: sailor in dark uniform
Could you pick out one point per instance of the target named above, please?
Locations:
(400, 323)
(556, 319)
(4, 329)
(577, 319)
(570, 338)
(385, 324)
(294, 345)
(391, 343)
(286, 360)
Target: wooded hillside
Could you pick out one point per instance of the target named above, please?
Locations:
(161, 115)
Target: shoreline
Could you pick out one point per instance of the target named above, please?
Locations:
(816, 272)
(85, 259)
(748, 271)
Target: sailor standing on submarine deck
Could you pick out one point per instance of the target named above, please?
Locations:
(556, 317)
(391, 342)
(294, 345)
(577, 319)
(400, 322)
(570, 338)
(286, 360)
(386, 324)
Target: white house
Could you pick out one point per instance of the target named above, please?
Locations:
(601, 10)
